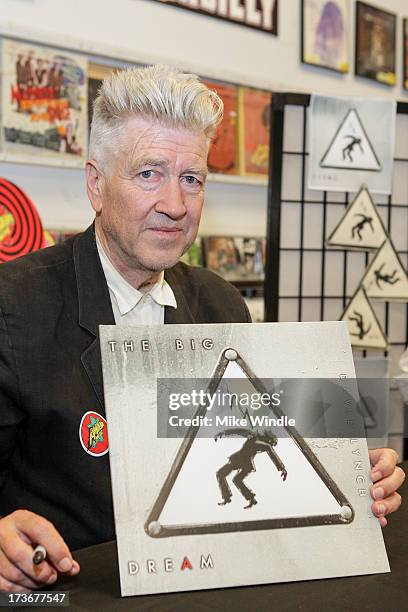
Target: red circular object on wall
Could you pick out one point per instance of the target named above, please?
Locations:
(21, 230)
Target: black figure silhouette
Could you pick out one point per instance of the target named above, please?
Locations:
(348, 149)
(358, 319)
(242, 462)
(358, 227)
(385, 278)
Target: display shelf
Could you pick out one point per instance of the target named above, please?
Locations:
(256, 181)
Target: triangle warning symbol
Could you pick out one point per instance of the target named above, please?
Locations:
(361, 226)
(244, 478)
(386, 278)
(364, 327)
(350, 148)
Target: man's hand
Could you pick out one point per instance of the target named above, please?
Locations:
(20, 532)
(387, 478)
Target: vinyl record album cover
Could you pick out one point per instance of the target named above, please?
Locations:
(43, 105)
(217, 480)
(235, 258)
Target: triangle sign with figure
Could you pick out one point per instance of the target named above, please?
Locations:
(361, 226)
(233, 480)
(350, 148)
(386, 278)
(364, 327)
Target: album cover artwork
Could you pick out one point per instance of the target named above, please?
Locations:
(375, 44)
(43, 105)
(254, 119)
(325, 34)
(223, 153)
(235, 258)
(217, 480)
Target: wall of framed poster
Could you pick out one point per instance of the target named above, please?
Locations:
(375, 44)
(325, 34)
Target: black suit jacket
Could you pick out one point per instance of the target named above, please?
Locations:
(51, 303)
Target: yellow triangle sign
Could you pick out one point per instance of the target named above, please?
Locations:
(361, 226)
(386, 278)
(364, 327)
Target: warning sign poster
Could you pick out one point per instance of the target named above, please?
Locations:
(221, 483)
(351, 143)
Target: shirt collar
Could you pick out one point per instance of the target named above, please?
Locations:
(128, 297)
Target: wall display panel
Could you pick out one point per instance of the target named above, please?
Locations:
(43, 105)
(313, 227)
(288, 309)
(311, 309)
(290, 225)
(311, 274)
(338, 271)
(375, 44)
(289, 276)
(400, 184)
(356, 266)
(325, 34)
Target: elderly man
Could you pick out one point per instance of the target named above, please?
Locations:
(146, 174)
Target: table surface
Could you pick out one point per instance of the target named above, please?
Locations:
(97, 585)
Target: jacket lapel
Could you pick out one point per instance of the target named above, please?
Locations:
(183, 312)
(94, 304)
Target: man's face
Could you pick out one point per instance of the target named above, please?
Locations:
(149, 207)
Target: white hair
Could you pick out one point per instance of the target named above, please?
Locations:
(161, 93)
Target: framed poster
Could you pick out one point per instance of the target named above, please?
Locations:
(405, 52)
(375, 44)
(223, 154)
(258, 14)
(325, 34)
(254, 125)
(43, 105)
(351, 144)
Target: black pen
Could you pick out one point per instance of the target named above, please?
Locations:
(39, 554)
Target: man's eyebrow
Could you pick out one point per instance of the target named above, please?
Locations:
(150, 161)
(201, 170)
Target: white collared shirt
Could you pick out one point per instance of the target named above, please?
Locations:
(131, 306)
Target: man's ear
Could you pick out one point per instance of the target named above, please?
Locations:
(94, 179)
